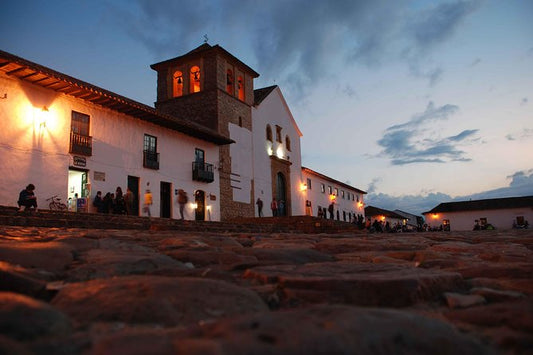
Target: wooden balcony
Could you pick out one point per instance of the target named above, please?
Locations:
(202, 172)
(151, 160)
(80, 144)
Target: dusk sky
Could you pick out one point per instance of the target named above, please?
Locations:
(415, 102)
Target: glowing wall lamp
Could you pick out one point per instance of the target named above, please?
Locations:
(303, 186)
(435, 215)
(42, 117)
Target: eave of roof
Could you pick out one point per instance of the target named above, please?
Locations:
(201, 50)
(325, 177)
(42, 76)
(375, 211)
(486, 204)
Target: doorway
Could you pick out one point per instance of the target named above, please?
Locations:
(78, 190)
(199, 200)
(281, 194)
(165, 198)
(133, 185)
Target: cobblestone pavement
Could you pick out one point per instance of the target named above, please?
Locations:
(84, 291)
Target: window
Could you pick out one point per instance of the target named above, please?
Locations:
(269, 133)
(322, 188)
(199, 156)
(195, 79)
(288, 143)
(330, 190)
(150, 155)
(240, 121)
(342, 194)
(348, 195)
(278, 134)
(308, 184)
(177, 84)
(80, 123)
(80, 141)
(229, 82)
(240, 84)
(201, 171)
(336, 192)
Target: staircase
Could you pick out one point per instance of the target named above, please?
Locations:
(46, 218)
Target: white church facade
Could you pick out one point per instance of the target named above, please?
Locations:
(210, 134)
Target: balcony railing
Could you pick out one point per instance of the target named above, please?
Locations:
(202, 172)
(151, 160)
(80, 144)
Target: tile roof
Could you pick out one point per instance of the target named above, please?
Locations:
(375, 211)
(261, 94)
(325, 177)
(200, 51)
(488, 204)
(42, 76)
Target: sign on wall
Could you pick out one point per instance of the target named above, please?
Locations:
(79, 161)
(99, 176)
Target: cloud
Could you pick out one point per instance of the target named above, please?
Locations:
(413, 142)
(475, 62)
(521, 184)
(434, 25)
(296, 42)
(524, 134)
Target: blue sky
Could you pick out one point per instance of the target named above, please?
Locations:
(416, 102)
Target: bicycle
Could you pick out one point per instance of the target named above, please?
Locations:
(56, 204)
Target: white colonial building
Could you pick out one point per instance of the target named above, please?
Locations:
(500, 213)
(210, 134)
(68, 137)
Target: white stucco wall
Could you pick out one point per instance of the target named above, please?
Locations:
(273, 110)
(323, 199)
(463, 221)
(31, 152)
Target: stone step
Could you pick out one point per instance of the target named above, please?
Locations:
(46, 218)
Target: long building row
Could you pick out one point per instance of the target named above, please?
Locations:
(210, 134)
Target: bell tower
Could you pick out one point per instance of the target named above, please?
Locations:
(211, 87)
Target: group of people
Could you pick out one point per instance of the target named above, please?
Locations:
(277, 207)
(116, 203)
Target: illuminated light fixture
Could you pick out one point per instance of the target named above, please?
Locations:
(42, 117)
(435, 215)
(359, 204)
(303, 187)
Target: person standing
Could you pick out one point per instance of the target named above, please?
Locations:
(119, 206)
(98, 202)
(27, 198)
(182, 201)
(128, 201)
(259, 204)
(281, 208)
(274, 207)
(147, 202)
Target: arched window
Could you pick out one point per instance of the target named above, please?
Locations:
(288, 143)
(177, 87)
(240, 83)
(269, 133)
(195, 79)
(229, 82)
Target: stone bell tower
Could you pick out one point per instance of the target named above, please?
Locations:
(211, 87)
